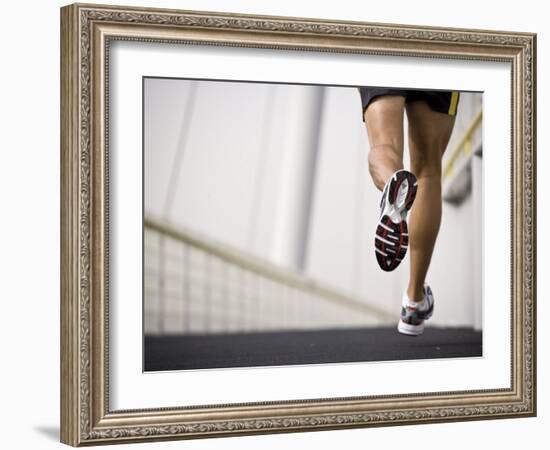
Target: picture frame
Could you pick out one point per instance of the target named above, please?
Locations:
(87, 417)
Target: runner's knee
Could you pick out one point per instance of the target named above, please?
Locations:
(426, 157)
(426, 163)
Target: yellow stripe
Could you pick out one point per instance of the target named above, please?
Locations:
(454, 103)
(464, 146)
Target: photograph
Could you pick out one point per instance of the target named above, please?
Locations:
(267, 223)
(293, 224)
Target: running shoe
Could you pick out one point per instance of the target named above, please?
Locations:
(392, 236)
(414, 314)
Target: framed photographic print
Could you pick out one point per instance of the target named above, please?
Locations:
(270, 224)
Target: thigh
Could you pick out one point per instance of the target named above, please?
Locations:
(384, 119)
(429, 133)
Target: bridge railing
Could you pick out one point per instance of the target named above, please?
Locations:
(194, 285)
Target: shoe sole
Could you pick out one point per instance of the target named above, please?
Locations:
(391, 240)
(410, 330)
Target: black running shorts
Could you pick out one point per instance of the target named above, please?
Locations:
(445, 102)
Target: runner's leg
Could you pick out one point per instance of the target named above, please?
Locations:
(428, 134)
(384, 121)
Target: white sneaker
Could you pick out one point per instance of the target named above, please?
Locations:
(414, 314)
(391, 239)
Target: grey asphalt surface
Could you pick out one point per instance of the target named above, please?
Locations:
(180, 352)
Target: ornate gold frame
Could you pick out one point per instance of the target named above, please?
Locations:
(86, 31)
